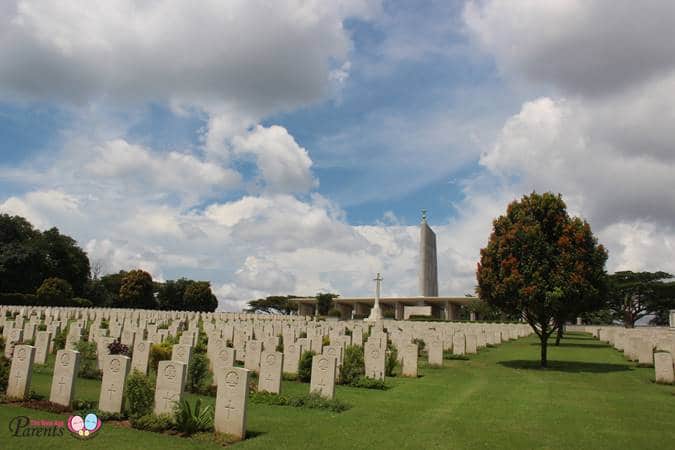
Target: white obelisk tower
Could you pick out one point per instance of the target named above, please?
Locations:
(428, 273)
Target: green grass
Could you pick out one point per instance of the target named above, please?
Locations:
(590, 397)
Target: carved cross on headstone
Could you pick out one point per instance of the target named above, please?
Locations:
(61, 384)
(167, 398)
(18, 378)
(110, 391)
(229, 408)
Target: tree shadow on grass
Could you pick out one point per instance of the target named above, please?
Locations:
(566, 366)
(570, 344)
(577, 337)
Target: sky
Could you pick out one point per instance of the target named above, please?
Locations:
(287, 147)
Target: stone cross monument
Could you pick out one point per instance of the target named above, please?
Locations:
(376, 313)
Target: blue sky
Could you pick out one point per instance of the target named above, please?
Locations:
(296, 159)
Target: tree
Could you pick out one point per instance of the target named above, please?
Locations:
(170, 294)
(274, 304)
(542, 265)
(21, 258)
(112, 284)
(64, 259)
(325, 302)
(96, 292)
(28, 257)
(634, 295)
(136, 291)
(198, 297)
(55, 292)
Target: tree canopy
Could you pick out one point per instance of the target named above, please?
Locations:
(542, 265)
(198, 297)
(634, 295)
(137, 290)
(274, 304)
(28, 257)
(55, 292)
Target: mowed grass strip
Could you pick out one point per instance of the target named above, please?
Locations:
(589, 397)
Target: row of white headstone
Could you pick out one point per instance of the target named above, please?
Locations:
(255, 339)
(648, 346)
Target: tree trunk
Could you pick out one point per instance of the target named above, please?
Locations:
(544, 343)
(559, 336)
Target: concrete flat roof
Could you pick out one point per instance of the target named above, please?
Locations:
(390, 300)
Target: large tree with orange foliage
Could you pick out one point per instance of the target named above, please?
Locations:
(542, 264)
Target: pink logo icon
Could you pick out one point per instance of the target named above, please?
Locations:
(84, 428)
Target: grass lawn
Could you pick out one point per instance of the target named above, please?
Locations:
(590, 397)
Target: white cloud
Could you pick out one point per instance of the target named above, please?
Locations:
(284, 166)
(44, 209)
(211, 56)
(171, 172)
(591, 47)
(607, 146)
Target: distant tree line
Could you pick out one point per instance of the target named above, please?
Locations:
(282, 304)
(49, 268)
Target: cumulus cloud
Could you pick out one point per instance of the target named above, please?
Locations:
(172, 172)
(284, 166)
(132, 50)
(588, 47)
(606, 145)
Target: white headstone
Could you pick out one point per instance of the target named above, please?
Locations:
(66, 365)
(171, 377)
(18, 384)
(270, 372)
(323, 376)
(232, 403)
(115, 370)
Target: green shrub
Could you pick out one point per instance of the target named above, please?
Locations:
(152, 422)
(390, 361)
(325, 341)
(159, 352)
(305, 367)
(54, 292)
(369, 383)
(83, 406)
(2, 345)
(202, 344)
(190, 420)
(17, 299)
(198, 371)
(447, 354)
(420, 346)
(78, 302)
(60, 339)
(42, 327)
(312, 401)
(140, 394)
(289, 376)
(302, 335)
(353, 365)
(334, 312)
(88, 361)
(106, 415)
(4, 373)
